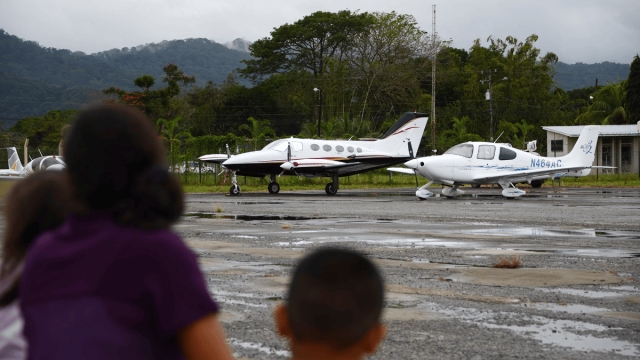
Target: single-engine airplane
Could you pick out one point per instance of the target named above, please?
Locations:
(50, 162)
(478, 163)
(325, 158)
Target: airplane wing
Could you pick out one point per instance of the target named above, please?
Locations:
(402, 170)
(214, 158)
(317, 165)
(9, 172)
(525, 174)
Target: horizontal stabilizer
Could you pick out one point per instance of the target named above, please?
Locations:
(214, 158)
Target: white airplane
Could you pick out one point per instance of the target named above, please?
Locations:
(325, 158)
(50, 162)
(478, 163)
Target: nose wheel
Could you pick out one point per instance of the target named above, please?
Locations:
(235, 188)
(274, 188)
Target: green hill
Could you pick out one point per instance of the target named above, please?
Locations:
(35, 79)
(580, 75)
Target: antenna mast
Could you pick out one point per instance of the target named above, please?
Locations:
(433, 81)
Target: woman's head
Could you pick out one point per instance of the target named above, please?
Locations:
(34, 205)
(116, 164)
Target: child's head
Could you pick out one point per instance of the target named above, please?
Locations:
(335, 298)
(116, 164)
(34, 205)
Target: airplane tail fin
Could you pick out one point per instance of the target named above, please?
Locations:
(409, 127)
(14, 159)
(583, 152)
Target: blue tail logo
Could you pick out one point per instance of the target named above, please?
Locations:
(586, 148)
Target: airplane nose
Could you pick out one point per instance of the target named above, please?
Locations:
(412, 164)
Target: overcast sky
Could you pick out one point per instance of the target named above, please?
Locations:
(588, 31)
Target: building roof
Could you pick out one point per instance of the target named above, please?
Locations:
(605, 130)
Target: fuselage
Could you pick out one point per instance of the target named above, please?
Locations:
(50, 162)
(465, 162)
(269, 160)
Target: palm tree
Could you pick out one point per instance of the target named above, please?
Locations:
(258, 131)
(168, 133)
(607, 107)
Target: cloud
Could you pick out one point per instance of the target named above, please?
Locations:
(587, 31)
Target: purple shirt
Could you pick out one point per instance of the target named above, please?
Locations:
(95, 290)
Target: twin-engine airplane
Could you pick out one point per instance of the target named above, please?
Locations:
(50, 162)
(478, 163)
(325, 158)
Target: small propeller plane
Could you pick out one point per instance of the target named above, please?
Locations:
(325, 158)
(49, 162)
(478, 163)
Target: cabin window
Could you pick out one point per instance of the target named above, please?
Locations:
(279, 145)
(486, 152)
(339, 148)
(506, 154)
(315, 147)
(350, 149)
(465, 150)
(557, 145)
(296, 146)
(359, 150)
(326, 147)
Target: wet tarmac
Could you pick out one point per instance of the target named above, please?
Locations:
(575, 296)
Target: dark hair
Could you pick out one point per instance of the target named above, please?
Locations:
(116, 164)
(335, 297)
(32, 206)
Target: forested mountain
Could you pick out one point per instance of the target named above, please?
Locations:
(35, 79)
(580, 75)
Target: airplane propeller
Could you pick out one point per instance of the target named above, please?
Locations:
(412, 157)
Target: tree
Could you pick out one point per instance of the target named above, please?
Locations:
(458, 132)
(607, 107)
(170, 133)
(387, 60)
(632, 99)
(307, 44)
(145, 82)
(258, 131)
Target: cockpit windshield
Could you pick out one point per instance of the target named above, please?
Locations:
(465, 150)
(278, 145)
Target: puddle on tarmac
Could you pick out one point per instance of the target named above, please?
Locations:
(586, 293)
(531, 231)
(568, 308)
(614, 253)
(295, 243)
(565, 333)
(259, 347)
(248, 217)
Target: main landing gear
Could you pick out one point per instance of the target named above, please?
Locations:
(332, 187)
(273, 187)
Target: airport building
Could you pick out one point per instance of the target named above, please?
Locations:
(618, 145)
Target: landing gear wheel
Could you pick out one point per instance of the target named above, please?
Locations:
(235, 190)
(475, 186)
(536, 183)
(274, 188)
(330, 189)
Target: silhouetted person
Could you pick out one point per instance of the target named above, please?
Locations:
(333, 307)
(33, 205)
(113, 282)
